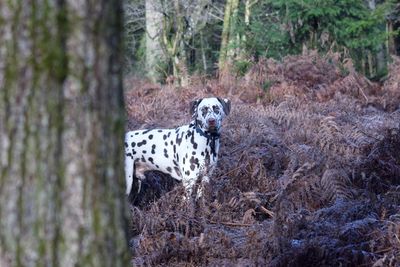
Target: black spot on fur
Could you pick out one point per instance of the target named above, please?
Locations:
(151, 160)
(160, 131)
(153, 149)
(142, 143)
(129, 155)
(199, 123)
(133, 152)
(175, 163)
(193, 142)
(136, 134)
(157, 166)
(204, 111)
(145, 132)
(169, 134)
(166, 143)
(202, 153)
(194, 153)
(150, 136)
(165, 153)
(172, 142)
(144, 151)
(133, 144)
(169, 169)
(196, 161)
(174, 149)
(183, 160)
(177, 157)
(126, 144)
(193, 162)
(164, 136)
(187, 173)
(143, 159)
(179, 139)
(215, 109)
(177, 171)
(207, 157)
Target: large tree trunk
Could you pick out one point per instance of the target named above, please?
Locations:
(61, 130)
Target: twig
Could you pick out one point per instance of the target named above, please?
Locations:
(231, 224)
(268, 212)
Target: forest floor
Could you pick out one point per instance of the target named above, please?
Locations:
(308, 174)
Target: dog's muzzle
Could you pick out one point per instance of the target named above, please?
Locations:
(212, 125)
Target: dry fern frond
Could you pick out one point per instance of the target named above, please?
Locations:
(248, 217)
(335, 184)
(293, 153)
(328, 134)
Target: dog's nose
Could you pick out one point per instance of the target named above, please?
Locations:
(211, 121)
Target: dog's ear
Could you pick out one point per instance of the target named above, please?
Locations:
(193, 106)
(226, 105)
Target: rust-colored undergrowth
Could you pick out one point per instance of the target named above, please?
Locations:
(309, 170)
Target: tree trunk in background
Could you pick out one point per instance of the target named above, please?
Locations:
(228, 33)
(155, 58)
(380, 54)
(390, 44)
(247, 14)
(61, 130)
(173, 28)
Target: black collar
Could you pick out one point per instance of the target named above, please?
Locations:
(208, 135)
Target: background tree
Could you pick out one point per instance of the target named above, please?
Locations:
(155, 58)
(229, 31)
(61, 128)
(181, 28)
(237, 33)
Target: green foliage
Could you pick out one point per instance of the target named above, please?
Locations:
(241, 67)
(263, 36)
(318, 23)
(267, 85)
(278, 28)
(282, 27)
(134, 36)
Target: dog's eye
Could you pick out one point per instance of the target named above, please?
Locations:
(204, 111)
(216, 109)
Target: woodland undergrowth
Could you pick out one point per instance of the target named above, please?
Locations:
(308, 175)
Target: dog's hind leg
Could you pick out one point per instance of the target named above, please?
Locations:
(129, 172)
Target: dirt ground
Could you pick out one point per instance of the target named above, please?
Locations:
(308, 175)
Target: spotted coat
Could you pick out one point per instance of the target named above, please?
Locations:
(184, 152)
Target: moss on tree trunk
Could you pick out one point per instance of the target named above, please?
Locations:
(61, 129)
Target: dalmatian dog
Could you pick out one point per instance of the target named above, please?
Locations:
(186, 152)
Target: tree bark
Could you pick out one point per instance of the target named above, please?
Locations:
(173, 31)
(230, 15)
(390, 43)
(61, 132)
(380, 54)
(155, 58)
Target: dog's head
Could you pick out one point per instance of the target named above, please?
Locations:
(208, 113)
